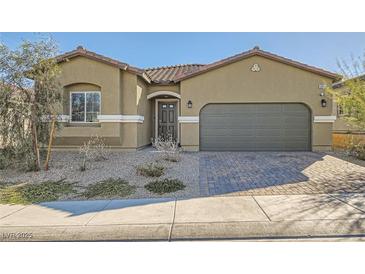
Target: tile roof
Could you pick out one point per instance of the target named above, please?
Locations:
(174, 74)
(80, 51)
(167, 74)
(258, 52)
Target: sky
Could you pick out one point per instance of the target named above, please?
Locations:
(160, 49)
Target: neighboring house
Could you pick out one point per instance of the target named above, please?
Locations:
(254, 100)
(343, 132)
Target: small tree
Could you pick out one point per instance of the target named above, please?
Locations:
(30, 95)
(350, 97)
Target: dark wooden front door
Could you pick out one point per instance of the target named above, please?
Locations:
(167, 120)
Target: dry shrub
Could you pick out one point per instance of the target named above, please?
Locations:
(151, 170)
(168, 147)
(165, 186)
(93, 150)
(355, 147)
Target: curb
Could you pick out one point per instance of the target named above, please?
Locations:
(188, 231)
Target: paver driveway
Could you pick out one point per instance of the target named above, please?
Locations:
(267, 173)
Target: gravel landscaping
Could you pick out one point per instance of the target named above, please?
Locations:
(201, 174)
(123, 165)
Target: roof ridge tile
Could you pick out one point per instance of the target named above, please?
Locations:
(173, 66)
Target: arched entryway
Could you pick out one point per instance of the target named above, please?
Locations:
(166, 109)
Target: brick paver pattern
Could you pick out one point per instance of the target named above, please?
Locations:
(268, 173)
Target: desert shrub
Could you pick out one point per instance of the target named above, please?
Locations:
(151, 170)
(168, 148)
(30, 92)
(85, 152)
(4, 159)
(355, 148)
(93, 150)
(27, 193)
(109, 188)
(18, 156)
(5, 184)
(165, 186)
(99, 149)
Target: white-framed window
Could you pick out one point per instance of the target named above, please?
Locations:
(85, 106)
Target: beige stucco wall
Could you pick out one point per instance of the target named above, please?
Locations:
(125, 93)
(128, 131)
(236, 83)
(341, 125)
(144, 108)
(83, 74)
(154, 88)
(118, 96)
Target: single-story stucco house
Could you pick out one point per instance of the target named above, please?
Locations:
(252, 101)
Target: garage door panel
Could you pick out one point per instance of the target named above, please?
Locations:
(267, 127)
(220, 108)
(268, 133)
(290, 133)
(234, 122)
(298, 121)
(233, 139)
(223, 132)
(229, 117)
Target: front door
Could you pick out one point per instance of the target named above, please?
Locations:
(167, 120)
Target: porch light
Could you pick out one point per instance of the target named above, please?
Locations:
(323, 103)
(190, 104)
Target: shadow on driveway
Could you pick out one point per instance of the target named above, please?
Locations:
(82, 207)
(281, 172)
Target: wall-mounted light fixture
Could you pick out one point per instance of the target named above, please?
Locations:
(321, 94)
(190, 104)
(323, 103)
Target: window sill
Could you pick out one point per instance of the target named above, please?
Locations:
(83, 125)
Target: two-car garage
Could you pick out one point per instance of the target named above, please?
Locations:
(256, 101)
(255, 127)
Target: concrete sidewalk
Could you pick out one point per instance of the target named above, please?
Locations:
(233, 217)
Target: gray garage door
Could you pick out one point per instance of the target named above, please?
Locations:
(255, 127)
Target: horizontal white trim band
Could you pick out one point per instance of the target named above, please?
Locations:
(324, 119)
(102, 118)
(60, 118)
(63, 118)
(188, 119)
(120, 118)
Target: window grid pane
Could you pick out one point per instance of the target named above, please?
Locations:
(92, 106)
(78, 107)
(81, 101)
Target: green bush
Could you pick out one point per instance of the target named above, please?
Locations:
(109, 188)
(6, 157)
(356, 148)
(3, 162)
(165, 186)
(27, 193)
(151, 170)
